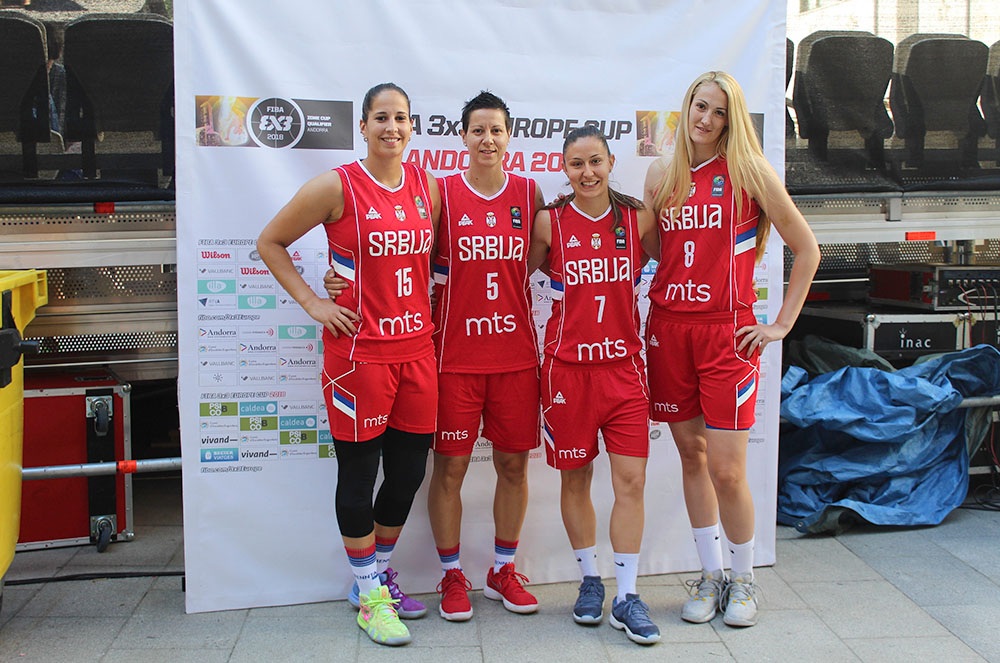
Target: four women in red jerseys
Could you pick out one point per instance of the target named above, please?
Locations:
(704, 216)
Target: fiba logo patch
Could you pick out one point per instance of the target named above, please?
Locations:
(275, 123)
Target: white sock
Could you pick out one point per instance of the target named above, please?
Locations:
(706, 539)
(742, 560)
(626, 571)
(587, 559)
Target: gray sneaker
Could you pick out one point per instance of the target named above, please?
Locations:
(740, 601)
(705, 593)
(589, 608)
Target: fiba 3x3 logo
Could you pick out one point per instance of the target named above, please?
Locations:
(275, 123)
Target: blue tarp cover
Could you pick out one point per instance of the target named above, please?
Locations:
(889, 446)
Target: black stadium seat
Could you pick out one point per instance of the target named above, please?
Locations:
(24, 100)
(119, 78)
(840, 83)
(935, 84)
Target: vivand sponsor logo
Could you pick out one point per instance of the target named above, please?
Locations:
(298, 437)
(297, 332)
(297, 422)
(258, 407)
(209, 438)
(257, 301)
(220, 455)
(217, 332)
(258, 453)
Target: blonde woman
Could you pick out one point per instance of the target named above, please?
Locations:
(715, 202)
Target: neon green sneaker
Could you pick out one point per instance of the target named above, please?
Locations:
(379, 620)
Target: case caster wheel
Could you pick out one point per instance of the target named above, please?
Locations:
(104, 529)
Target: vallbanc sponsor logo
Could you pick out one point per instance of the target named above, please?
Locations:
(273, 122)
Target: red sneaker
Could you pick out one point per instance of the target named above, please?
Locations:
(454, 588)
(506, 586)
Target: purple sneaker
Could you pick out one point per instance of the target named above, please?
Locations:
(407, 608)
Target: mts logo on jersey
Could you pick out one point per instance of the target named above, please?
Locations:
(490, 247)
(692, 217)
(598, 270)
(453, 434)
(688, 292)
(572, 453)
(606, 349)
(496, 324)
(377, 420)
(399, 242)
(665, 407)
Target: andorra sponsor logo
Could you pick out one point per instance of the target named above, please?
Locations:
(217, 332)
(258, 347)
(298, 362)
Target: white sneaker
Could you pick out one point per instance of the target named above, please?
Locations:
(705, 593)
(740, 601)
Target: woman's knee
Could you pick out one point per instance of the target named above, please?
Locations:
(512, 468)
(577, 480)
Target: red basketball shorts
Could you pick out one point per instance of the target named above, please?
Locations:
(578, 400)
(694, 368)
(363, 398)
(506, 403)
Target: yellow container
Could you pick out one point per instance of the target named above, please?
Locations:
(28, 292)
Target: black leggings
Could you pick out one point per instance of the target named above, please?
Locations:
(404, 459)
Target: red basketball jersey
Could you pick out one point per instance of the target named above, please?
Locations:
(707, 250)
(381, 246)
(482, 320)
(595, 285)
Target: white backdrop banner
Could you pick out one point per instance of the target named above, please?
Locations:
(268, 95)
